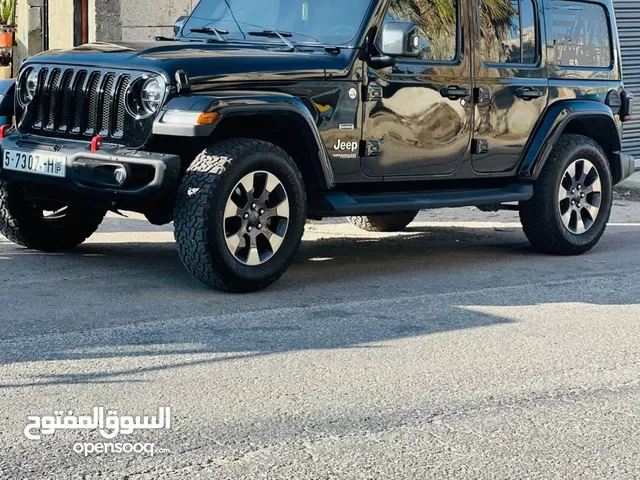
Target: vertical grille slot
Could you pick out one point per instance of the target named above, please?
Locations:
(120, 106)
(92, 94)
(78, 103)
(67, 93)
(42, 98)
(108, 93)
(53, 96)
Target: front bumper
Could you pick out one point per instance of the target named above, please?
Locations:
(627, 165)
(92, 174)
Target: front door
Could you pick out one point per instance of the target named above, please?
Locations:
(420, 112)
(512, 89)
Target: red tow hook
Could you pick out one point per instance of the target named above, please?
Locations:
(95, 143)
(3, 131)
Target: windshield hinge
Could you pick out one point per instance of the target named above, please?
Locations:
(374, 92)
(182, 82)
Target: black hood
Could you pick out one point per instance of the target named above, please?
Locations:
(206, 61)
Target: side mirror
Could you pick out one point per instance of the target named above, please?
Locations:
(399, 39)
(177, 27)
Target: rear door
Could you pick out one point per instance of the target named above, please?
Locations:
(512, 89)
(419, 111)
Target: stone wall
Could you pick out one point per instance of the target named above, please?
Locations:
(105, 20)
(144, 19)
(135, 20)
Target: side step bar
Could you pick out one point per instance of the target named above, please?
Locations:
(361, 204)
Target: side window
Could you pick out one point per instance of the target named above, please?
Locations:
(508, 32)
(438, 26)
(581, 35)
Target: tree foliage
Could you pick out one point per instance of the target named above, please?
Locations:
(495, 15)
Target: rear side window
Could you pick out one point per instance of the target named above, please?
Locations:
(581, 35)
(508, 32)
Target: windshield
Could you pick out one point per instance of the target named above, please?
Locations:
(326, 22)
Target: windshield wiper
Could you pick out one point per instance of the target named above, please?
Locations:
(275, 34)
(211, 31)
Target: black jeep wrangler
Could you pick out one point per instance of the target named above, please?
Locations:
(260, 114)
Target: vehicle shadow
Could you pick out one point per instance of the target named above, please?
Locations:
(136, 301)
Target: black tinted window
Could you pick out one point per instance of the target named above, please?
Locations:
(332, 22)
(581, 34)
(508, 31)
(438, 25)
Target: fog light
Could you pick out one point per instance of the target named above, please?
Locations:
(120, 174)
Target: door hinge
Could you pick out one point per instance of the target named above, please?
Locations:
(482, 96)
(480, 147)
(374, 92)
(372, 148)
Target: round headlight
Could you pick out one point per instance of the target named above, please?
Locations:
(152, 94)
(145, 96)
(29, 87)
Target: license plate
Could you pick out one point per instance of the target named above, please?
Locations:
(34, 161)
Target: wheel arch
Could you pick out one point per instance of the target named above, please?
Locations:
(584, 117)
(280, 119)
(289, 131)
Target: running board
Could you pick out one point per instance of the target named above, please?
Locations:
(361, 204)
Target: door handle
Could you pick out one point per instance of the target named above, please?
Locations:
(529, 93)
(454, 92)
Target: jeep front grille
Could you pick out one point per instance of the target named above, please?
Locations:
(77, 102)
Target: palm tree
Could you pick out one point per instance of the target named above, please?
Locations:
(495, 15)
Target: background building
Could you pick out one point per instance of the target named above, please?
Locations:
(628, 17)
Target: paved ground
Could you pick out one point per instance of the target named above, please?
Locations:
(452, 350)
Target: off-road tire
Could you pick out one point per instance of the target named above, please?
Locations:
(199, 214)
(540, 216)
(23, 223)
(386, 222)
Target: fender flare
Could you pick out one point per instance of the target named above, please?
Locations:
(228, 104)
(554, 123)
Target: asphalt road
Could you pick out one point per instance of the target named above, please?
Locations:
(452, 350)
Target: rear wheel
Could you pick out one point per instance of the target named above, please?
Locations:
(47, 226)
(385, 222)
(572, 199)
(240, 215)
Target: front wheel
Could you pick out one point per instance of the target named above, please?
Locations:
(572, 199)
(50, 226)
(240, 215)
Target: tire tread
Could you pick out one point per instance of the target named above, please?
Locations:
(19, 224)
(537, 216)
(193, 220)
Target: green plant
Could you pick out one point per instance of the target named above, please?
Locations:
(7, 12)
